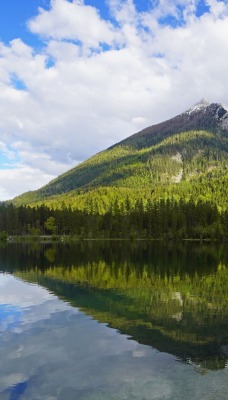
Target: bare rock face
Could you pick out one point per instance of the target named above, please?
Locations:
(222, 116)
(213, 111)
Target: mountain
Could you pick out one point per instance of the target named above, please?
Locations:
(186, 156)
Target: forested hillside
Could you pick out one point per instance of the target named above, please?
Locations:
(167, 181)
(185, 157)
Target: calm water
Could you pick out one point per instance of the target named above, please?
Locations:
(112, 321)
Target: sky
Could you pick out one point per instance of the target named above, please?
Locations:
(79, 76)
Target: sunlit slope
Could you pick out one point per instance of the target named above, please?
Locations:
(188, 163)
(172, 156)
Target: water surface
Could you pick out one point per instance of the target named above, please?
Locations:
(113, 320)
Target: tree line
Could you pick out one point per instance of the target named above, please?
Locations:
(164, 219)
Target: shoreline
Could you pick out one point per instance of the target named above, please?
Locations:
(70, 238)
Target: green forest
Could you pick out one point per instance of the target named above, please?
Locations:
(123, 218)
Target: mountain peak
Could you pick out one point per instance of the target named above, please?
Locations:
(215, 112)
(200, 105)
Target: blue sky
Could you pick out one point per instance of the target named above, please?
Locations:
(77, 77)
(14, 15)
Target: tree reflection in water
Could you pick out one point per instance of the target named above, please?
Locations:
(173, 297)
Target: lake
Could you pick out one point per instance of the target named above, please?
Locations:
(114, 320)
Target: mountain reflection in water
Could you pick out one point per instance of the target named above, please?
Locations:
(172, 297)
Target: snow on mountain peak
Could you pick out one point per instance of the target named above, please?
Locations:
(225, 107)
(198, 106)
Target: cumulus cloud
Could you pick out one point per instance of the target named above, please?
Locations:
(74, 21)
(96, 81)
(14, 181)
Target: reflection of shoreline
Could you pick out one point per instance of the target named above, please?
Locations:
(187, 339)
(162, 333)
(181, 257)
(171, 298)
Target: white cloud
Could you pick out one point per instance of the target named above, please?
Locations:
(124, 11)
(14, 181)
(96, 82)
(74, 21)
(217, 8)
